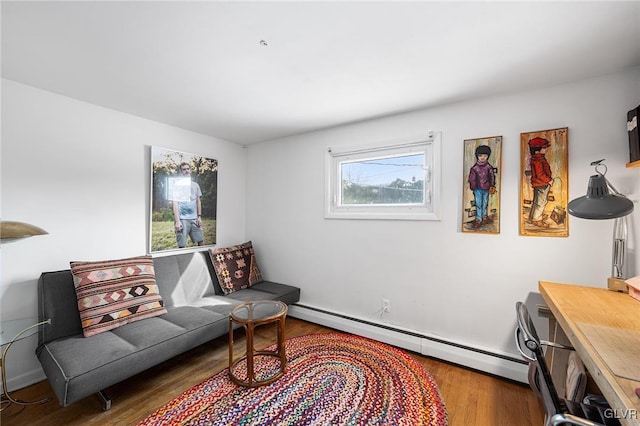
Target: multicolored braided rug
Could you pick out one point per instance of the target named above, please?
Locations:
(331, 379)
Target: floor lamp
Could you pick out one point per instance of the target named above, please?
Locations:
(603, 201)
(9, 232)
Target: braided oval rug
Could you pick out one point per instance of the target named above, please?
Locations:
(331, 379)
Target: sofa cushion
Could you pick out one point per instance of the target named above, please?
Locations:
(184, 278)
(267, 290)
(236, 267)
(112, 293)
(77, 366)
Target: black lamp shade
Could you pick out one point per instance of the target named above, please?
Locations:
(599, 203)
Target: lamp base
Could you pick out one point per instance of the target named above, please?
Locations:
(617, 284)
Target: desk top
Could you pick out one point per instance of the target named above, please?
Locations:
(596, 320)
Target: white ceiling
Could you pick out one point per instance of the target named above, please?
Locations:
(201, 65)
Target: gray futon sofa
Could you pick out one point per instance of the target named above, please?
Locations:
(197, 312)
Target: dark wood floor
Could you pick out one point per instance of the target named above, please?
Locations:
(472, 398)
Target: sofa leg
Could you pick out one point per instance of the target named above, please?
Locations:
(106, 401)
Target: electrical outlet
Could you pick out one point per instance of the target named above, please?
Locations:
(386, 305)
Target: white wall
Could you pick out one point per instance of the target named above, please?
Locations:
(82, 172)
(441, 282)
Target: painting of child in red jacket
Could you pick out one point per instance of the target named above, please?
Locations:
(544, 183)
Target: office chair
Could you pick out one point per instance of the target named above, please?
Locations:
(558, 411)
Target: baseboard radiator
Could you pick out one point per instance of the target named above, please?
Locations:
(502, 365)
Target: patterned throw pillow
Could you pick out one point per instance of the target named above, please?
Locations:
(236, 267)
(112, 293)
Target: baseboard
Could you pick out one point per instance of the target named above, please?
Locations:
(477, 358)
(491, 362)
(23, 380)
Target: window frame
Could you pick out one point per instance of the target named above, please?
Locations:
(430, 210)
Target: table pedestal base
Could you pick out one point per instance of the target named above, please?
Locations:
(251, 354)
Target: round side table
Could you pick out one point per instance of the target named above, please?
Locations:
(250, 315)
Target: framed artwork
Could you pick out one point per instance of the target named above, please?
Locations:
(184, 193)
(544, 183)
(481, 185)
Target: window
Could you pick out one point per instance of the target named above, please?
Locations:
(384, 182)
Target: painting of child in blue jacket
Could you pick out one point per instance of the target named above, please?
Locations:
(482, 181)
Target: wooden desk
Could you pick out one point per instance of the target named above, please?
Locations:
(596, 321)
